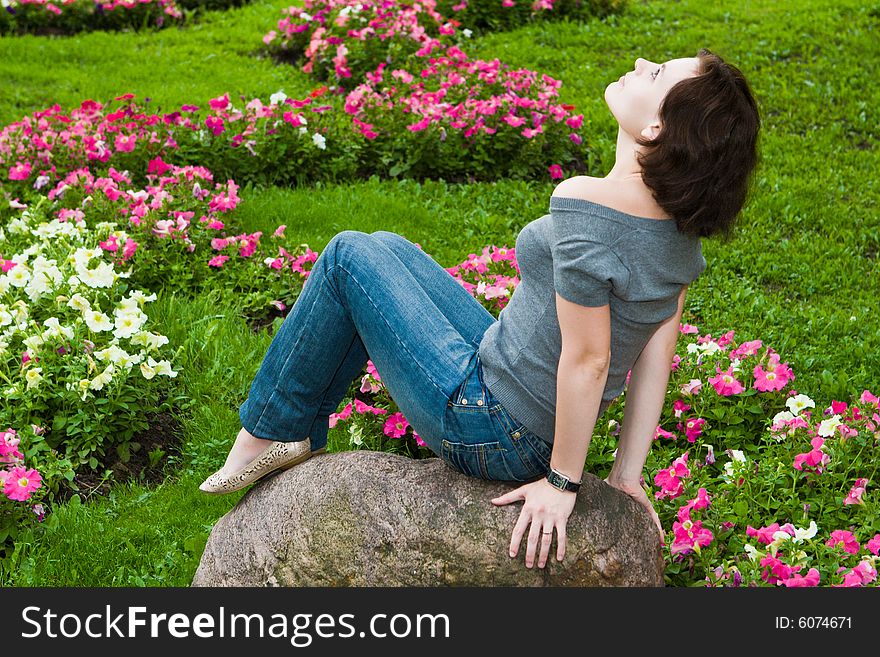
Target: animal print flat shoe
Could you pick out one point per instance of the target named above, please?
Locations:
(276, 457)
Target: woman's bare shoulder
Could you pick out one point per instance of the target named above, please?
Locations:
(630, 197)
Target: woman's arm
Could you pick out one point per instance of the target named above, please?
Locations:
(645, 397)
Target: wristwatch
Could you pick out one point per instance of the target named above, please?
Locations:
(560, 481)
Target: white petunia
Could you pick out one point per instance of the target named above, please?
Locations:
(782, 416)
(798, 403)
(141, 297)
(152, 341)
(103, 378)
(5, 317)
(737, 455)
(804, 534)
(827, 426)
(751, 551)
(111, 353)
(163, 367)
(79, 302)
(97, 321)
(33, 377)
(127, 324)
(356, 434)
(277, 98)
(33, 343)
(18, 276)
(320, 140)
(467, 33)
(101, 276)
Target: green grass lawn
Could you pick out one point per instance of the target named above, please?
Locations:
(802, 273)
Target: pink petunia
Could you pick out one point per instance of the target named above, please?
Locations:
(873, 546)
(217, 261)
(395, 426)
(863, 573)
(692, 387)
(814, 460)
(669, 479)
(810, 579)
(689, 536)
(20, 171)
(363, 408)
(868, 398)
(855, 494)
(342, 415)
(679, 407)
(688, 328)
(725, 383)
(555, 171)
(845, 538)
(764, 534)
(21, 482)
(775, 570)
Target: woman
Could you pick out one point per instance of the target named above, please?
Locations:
(603, 282)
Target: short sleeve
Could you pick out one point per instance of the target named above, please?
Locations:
(584, 270)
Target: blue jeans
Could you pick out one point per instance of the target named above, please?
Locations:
(379, 296)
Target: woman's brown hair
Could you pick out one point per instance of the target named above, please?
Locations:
(700, 166)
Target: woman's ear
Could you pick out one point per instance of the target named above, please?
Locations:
(651, 131)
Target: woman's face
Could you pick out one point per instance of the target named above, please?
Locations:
(635, 98)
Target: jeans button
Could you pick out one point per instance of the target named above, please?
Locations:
(479, 402)
(516, 434)
(464, 401)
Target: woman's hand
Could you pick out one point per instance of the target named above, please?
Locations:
(545, 507)
(638, 493)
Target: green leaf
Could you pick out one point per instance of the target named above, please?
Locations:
(741, 508)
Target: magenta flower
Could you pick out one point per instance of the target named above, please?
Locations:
(125, 143)
(725, 383)
(874, 545)
(20, 171)
(764, 534)
(555, 171)
(815, 459)
(862, 574)
(775, 570)
(342, 415)
(363, 407)
(689, 537)
(687, 328)
(660, 432)
(217, 261)
(693, 428)
(810, 579)
(395, 425)
(669, 479)
(855, 494)
(844, 537)
(679, 407)
(746, 349)
(21, 482)
(866, 398)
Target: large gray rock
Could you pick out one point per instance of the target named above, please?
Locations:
(365, 518)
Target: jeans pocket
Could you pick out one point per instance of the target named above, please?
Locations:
(487, 460)
(532, 450)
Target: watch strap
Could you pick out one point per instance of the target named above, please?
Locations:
(560, 481)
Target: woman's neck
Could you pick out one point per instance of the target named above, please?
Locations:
(626, 165)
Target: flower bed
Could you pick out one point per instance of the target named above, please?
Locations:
(339, 41)
(460, 119)
(45, 17)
